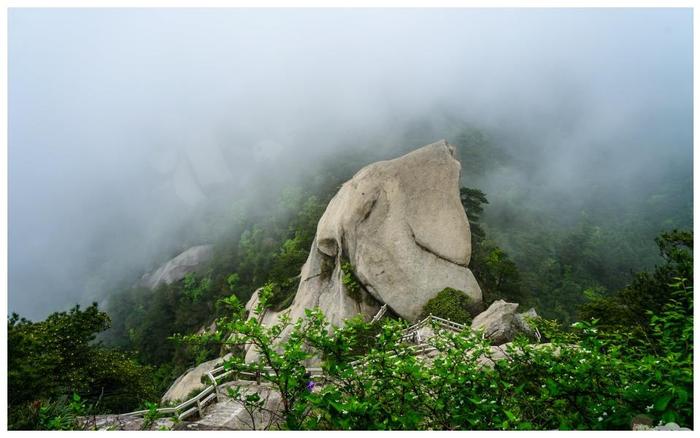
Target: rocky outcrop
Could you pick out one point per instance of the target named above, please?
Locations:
(190, 381)
(500, 323)
(189, 261)
(400, 227)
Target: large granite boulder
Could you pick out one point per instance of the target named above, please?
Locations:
(189, 261)
(500, 323)
(400, 227)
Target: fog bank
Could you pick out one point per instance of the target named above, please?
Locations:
(124, 123)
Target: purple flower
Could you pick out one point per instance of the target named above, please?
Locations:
(310, 386)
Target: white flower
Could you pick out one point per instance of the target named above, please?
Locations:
(649, 408)
(600, 418)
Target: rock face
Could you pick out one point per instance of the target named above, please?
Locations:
(190, 380)
(124, 422)
(401, 226)
(501, 324)
(177, 268)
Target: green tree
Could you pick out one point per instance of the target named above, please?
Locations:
(58, 357)
(648, 291)
(496, 273)
(472, 201)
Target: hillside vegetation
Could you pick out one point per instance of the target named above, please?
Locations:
(592, 260)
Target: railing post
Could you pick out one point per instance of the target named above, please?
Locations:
(199, 407)
(257, 377)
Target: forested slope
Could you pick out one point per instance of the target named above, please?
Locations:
(570, 254)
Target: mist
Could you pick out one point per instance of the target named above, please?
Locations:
(125, 124)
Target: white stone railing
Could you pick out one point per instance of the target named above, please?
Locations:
(194, 405)
(409, 333)
(379, 314)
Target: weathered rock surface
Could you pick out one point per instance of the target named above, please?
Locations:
(124, 422)
(401, 226)
(229, 414)
(191, 260)
(521, 321)
(500, 322)
(190, 380)
(667, 426)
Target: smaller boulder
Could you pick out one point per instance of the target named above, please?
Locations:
(500, 322)
(521, 321)
(190, 381)
(193, 260)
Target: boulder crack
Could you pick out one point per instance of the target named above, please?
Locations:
(428, 250)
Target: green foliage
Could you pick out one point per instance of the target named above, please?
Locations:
(472, 201)
(61, 414)
(647, 291)
(450, 304)
(57, 358)
(196, 288)
(496, 273)
(232, 281)
(571, 236)
(151, 416)
(282, 294)
(352, 285)
(584, 378)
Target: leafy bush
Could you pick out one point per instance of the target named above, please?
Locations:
(282, 294)
(352, 285)
(151, 416)
(449, 304)
(51, 360)
(582, 379)
(60, 414)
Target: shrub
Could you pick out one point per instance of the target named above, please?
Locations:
(283, 293)
(352, 285)
(52, 360)
(450, 304)
(582, 379)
